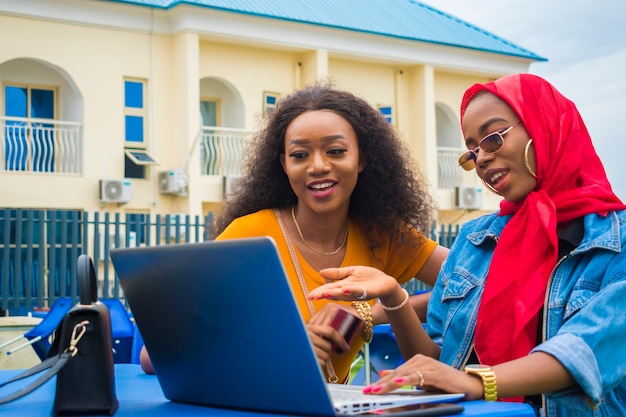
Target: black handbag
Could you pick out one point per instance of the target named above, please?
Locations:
(81, 356)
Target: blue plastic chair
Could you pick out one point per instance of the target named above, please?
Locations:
(39, 336)
(383, 353)
(123, 330)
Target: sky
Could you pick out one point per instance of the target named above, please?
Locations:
(585, 44)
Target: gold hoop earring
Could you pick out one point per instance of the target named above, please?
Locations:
(526, 162)
(489, 187)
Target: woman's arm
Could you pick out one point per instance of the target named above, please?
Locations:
(428, 275)
(407, 327)
(418, 302)
(536, 373)
(429, 272)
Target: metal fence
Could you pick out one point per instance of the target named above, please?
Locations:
(39, 250)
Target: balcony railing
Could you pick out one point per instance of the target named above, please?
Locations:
(221, 150)
(41, 145)
(450, 173)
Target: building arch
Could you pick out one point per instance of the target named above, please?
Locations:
(449, 146)
(231, 110)
(29, 71)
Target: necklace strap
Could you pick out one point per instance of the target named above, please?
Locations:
(343, 243)
(332, 376)
(294, 260)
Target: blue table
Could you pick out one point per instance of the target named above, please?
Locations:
(140, 395)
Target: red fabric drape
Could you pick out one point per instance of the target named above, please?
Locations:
(571, 182)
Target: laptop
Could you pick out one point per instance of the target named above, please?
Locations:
(223, 330)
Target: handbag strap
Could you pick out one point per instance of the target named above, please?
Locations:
(53, 365)
(87, 283)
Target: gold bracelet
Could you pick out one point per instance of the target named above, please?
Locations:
(399, 306)
(365, 311)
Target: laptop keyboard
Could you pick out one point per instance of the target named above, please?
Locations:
(348, 399)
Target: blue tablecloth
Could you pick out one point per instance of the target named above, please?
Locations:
(140, 395)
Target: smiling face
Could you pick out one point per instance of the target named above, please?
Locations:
(504, 170)
(322, 160)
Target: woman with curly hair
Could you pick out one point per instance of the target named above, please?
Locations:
(331, 182)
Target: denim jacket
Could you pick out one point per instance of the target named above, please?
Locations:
(584, 322)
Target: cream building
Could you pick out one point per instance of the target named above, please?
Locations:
(143, 106)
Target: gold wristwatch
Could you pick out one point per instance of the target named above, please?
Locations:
(488, 377)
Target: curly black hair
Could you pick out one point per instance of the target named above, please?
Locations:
(389, 193)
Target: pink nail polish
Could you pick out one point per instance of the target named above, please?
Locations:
(377, 388)
(367, 389)
(399, 380)
(346, 292)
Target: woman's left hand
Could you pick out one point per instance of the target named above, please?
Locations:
(430, 375)
(354, 283)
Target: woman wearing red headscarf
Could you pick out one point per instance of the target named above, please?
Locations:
(529, 305)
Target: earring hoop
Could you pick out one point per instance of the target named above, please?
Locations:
(489, 187)
(526, 162)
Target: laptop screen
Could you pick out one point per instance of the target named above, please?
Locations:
(219, 319)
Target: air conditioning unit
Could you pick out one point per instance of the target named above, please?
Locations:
(230, 183)
(468, 198)
(115, 191)
(173, 182)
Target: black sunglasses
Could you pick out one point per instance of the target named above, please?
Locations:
(490, 144)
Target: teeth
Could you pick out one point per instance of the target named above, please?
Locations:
(496, 177)
(321, 185)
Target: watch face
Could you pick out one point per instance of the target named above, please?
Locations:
(478, 367)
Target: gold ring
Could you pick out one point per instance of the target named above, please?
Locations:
(364, 295)
(421, 378)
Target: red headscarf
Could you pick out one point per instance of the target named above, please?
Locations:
(571, 182)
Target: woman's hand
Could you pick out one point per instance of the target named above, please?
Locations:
(324, 337)
(430, 375)
(356, 283)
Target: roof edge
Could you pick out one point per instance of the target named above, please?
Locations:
(524, 53)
